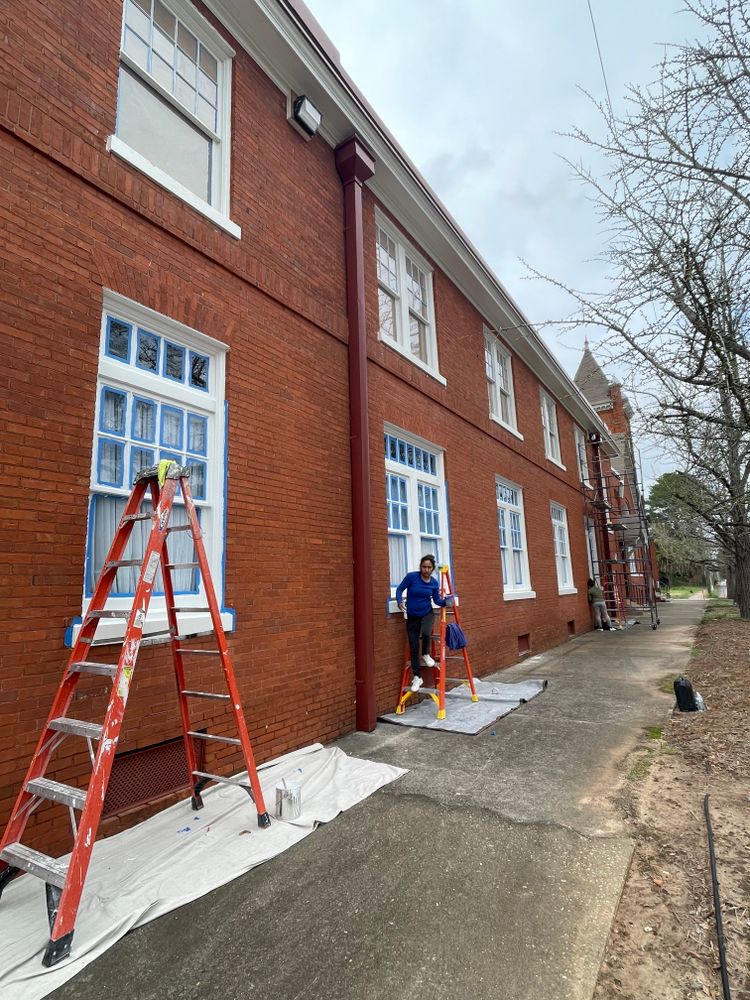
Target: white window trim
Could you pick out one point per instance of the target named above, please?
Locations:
(549, 406)
(497, 347)
(403, 246)
(524, 592)
(218, 213)
(584, 472)
(412, 475)
(114, 373)
(562, 589)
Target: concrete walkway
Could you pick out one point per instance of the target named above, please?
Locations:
(492, 870)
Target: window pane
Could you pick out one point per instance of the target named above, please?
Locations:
(148, 351)
(159, 133)
(145, 6)
(111, 462)
(140, 458)
(208, 64)
(206, 112)
(185, 94)
(136, 48)
(198, 371)
(397, 558)
(196, 434)
(207, 88)
(114, 405)
(187, 42)
(171, 427)
(417, 338)
(162, 72)
(118, 340)
(386, 260)
(137, 20)
(416, 288)
(165, 19)
(387, 308)
(186, 68)
(174, 363)
(197, 479)
(144, 420)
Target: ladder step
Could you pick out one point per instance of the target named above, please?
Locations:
(137, 517)
(91, 730)
(108, 614)
(188, 565)
(114, 563)
(206, 694)
(45, 788)
(200, 652)
(179, 527)
(52, 870)
(195, 611)
(221, 739)
(240, 782)
(194, 635)
(86, 667)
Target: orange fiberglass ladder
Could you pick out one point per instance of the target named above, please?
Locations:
(438, 692)
(65, 881)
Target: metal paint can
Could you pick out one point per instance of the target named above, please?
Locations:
(289, 800)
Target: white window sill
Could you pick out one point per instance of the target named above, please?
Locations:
(567, 590)
(113, 630)
(557, 462)
(125, 152)
(432, 372)
(518, 595)
(507, 427)
(393, 608)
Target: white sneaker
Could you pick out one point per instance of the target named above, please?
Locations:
(427, 661)
(599, 628)
(417, 683)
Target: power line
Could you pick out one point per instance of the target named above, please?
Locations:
(601, 61)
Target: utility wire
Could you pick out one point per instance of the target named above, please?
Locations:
(601, 61)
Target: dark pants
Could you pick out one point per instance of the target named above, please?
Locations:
(416, 629)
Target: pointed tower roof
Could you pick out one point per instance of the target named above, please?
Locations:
(590, 378)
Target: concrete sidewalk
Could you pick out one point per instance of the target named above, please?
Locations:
(491, 870)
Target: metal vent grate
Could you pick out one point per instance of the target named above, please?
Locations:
(149, 773)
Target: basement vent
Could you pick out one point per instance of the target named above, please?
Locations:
(572, 627)
(524, 644)
(149, 773)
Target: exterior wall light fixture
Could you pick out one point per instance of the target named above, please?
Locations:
(307, 116)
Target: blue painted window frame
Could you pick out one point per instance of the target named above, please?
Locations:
(147, 333)
(165, 352)
(154, 405)
(204, 357)
(166, 408)
(117, 444)
(135, 448)
(204, 421)
(115, 392)
(107, 351)
(191, 463)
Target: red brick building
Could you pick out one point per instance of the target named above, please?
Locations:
(188, 273)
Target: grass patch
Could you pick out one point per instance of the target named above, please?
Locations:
(666, 684)
(640, 768)
(721, 609)
(654, 733)
(682, 591)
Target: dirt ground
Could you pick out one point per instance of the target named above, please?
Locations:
(663, 941)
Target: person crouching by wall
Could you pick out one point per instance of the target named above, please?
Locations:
(421, 590)
(599, 606)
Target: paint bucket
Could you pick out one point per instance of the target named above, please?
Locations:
(289, 800)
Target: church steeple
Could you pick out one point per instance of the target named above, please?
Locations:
(591, 379)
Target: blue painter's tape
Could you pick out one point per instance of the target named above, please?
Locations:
(68, 640)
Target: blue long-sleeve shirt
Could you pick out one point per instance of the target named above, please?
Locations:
(419, 594)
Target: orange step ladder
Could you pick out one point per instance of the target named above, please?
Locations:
(64, 881)
(438, 692)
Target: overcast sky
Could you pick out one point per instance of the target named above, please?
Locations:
(475, 92)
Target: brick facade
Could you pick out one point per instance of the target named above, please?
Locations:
(78, 220)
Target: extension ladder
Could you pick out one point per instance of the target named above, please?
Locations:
(438, 692)
(64, 881)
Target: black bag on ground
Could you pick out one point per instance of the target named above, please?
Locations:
(683, 692)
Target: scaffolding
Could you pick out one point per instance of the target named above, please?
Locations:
(620, 547)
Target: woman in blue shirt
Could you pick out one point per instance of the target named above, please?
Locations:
(422, 589)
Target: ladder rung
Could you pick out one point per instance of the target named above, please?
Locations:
(189, 565)
(86, 667)
(113, 563)
(77, 727)
(200, 652)
(152, 638)
(194, 635)
(221, 739)
(196, 611)
(240, 782)
(207, 694)
(52, 870)
(179, 527)
(108, 614)
(137, 517)
(45, 788)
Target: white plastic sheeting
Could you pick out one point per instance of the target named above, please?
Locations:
(173, 858)
(462, 715)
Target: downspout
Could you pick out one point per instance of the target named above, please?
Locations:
(355, 165)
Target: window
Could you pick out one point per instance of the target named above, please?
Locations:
(144, 413)
(407, 321)
(562, 550)
(497, 365)
(173, 103)
(551, 435)
(514, 557)
(415, 500)
(592, 557)
(582, 456)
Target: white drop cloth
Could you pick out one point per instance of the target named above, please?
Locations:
(173, 858)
